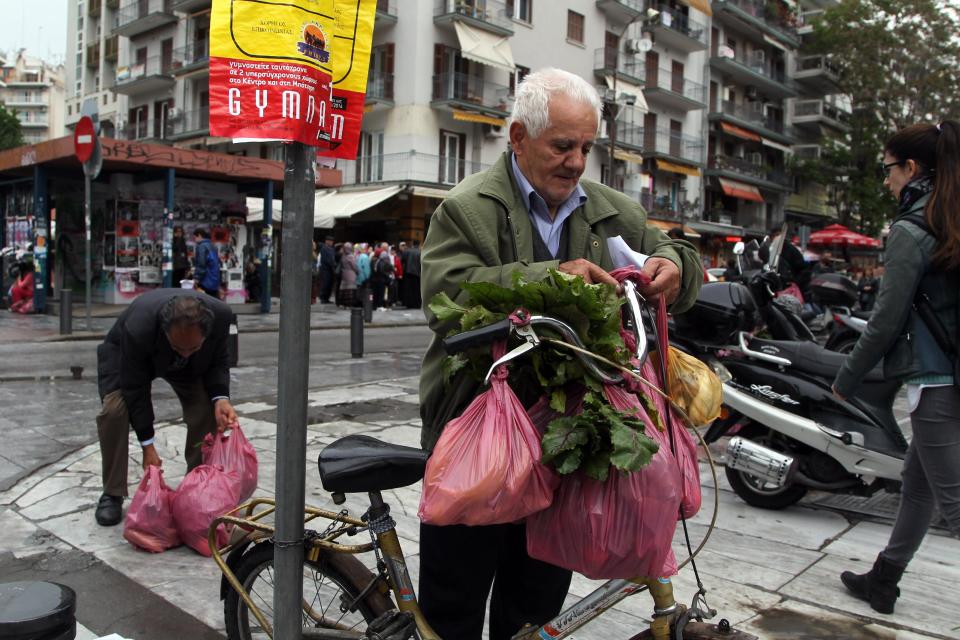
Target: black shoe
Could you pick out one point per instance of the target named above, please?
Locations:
(878, 586)
(109, 510)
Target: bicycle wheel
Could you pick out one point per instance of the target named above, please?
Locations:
(326, 584)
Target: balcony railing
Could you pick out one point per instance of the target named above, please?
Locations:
(387, 9)
(774, 14)
(758, 62)
(409, 166)
(93, 54)
(822, 108)
(111, 48)
(748, 167)
(467, 88)
(93, 8)
(150, 13)
(183, 124)
(662, 206)
(149, 129)
(753, 113)
(815, 63)
(668, 142)
(113, 4)
(674, 20)
(669, 81)
(155, 70)
(629, 67)
(380, 86)
(483, 13)
(194, 54)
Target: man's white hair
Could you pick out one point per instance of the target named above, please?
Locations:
(532, 105)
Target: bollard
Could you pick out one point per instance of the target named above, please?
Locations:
(66, 312)
(367, 298)
(356, 332)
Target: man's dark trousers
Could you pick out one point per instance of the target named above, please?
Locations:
(458, 565)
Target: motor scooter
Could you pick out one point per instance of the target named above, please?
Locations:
(789, 432)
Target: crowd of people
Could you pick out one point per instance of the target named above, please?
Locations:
(345, 272)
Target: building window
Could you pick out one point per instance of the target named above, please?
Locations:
(370, 158)
(520, 10)
(575, 27)
(452, 155)
(517, 77)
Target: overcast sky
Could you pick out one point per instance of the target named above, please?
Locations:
(38, 25)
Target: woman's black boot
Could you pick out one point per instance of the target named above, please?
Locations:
(878, 586)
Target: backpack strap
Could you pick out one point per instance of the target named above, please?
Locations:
(922, 304)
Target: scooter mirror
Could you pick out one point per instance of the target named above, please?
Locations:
(738, 248)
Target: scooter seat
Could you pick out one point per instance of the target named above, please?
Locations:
(810, 357)
(359, 464)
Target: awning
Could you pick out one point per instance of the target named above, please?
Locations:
(774, 42)
(740, 190)
(776, 145)
(255, 210)
(674, 167)
(627, 156)
(740, 132)
(666, 225)
(431, 192)
(629, 88)
(716, 228)
(332, 205)
(470, 116)
(484, 47)
(703, 6)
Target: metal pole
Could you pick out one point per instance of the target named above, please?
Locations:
(356, 332)
(87, 206)
(66, 312)
(299, 186)
(266, 249)
(167, 262)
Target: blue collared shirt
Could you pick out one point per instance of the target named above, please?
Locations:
(549, 228)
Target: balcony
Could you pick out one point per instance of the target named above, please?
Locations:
(386, 12)
(190, 6)
(817, 73)
(752, 116)
(750, 170)
(190, 124)
(24, 101)
(674, 91)
(30, 121)
(676, 30)
(627, 131)
(813, 199)
(807, 152)
(113, 5)
(409, 167)
(150, 130)
(669, 145)
(630, 67)
(768, 17)
(141, 16)
(490, 15)
(754, 72)
(811, 115)
(93, 8)
(662, 206)
(111, 48)
(93, 55)
(461, 90)
(156, 74)
(192, 57)
(807, 19)
(621, 11)
(379, 89)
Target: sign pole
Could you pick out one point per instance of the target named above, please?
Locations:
(292, 384)
(87, 206)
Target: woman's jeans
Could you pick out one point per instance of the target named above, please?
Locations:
(931, 472)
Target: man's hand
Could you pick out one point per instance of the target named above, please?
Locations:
(150, 457)
(591, 273)
(225, 415)
(664, 280)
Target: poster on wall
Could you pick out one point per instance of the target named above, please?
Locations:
(128, 243)
(150, 250)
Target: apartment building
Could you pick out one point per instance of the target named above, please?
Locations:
(698, 100)
(33, 89)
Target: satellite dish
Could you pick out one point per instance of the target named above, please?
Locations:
(645, 45)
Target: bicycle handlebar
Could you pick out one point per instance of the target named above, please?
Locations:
(477, 337)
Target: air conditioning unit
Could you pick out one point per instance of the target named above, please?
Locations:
(632, 45)
(493, 131)
(174, 114)
(751, 92)
(759, 57)
(755, 158)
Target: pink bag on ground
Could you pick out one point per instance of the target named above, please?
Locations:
(205, 493)
(233, 453)
(149, 524)
(485, 468)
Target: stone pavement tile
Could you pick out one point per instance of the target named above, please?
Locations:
(64, 502)
(155, 569)
(820, 585)
(745, 559)
(253, 407)
(938, 555)
(50, 486)
(81, 530)
(352, 393)
(9, 468)
(791, 619)
(22, 538)
(339, 428)
(22, 486)
(200, 597)
(797, 526)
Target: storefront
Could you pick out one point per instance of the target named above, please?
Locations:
(142, 193)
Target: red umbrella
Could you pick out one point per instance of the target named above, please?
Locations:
(840, 235)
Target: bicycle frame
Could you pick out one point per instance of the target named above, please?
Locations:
(400, 584)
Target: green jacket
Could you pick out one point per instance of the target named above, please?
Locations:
(483, 233)
(895, 333)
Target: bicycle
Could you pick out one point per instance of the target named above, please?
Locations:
(343, 599)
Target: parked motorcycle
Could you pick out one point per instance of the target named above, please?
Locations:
(790, 433)
(848, 325)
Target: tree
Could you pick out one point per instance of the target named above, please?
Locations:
(897, 61)
(10, 134)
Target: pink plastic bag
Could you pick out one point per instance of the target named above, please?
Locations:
(206, 493)
(621, 528)
(485, 468)
(149, 524)
(233, 453)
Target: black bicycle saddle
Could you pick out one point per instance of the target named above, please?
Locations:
(359, 464)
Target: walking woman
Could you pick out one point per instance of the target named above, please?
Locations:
(922, 168)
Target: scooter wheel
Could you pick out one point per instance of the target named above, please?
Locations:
(755, 491)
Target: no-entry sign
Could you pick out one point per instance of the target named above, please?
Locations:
(84, 139)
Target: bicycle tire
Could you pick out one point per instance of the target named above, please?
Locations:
(328, 577)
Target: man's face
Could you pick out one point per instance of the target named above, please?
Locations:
(554, 161)
(185, 339)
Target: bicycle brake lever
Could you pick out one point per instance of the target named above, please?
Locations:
(510, 355)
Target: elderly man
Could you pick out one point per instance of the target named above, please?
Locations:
(530, 212)
(179, 335)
